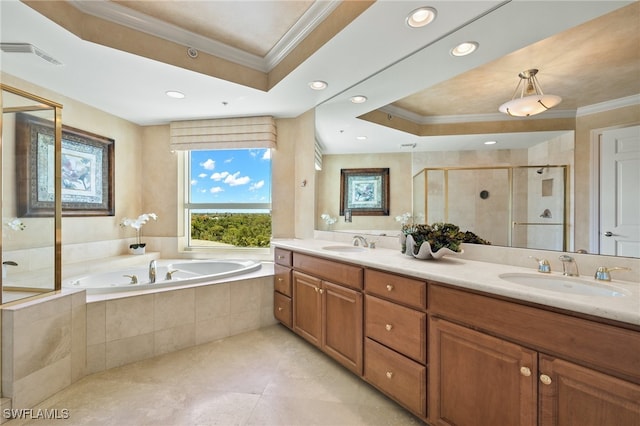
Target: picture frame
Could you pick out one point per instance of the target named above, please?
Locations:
(87, 170)
(364, 192)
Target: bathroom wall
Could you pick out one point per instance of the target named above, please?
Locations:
(104, 231)
(328, 190)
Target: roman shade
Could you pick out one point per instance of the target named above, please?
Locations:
(223, 133)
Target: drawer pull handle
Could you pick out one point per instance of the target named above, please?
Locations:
(389, 287)
(280, 279)
(279, 308)
(280, 257)
(545, 379)
(389, 374)
(525, 371)
(388, 327)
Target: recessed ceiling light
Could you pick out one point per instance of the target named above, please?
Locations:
(358, 99)
(318, 85)
(361, 138)
(421, 17)
(174, 94)
(464, 49)
(490, 142)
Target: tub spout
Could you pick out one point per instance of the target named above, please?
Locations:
(152, 271)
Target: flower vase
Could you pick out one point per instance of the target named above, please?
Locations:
(137, 250)
(403, 242)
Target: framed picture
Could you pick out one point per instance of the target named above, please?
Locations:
(87, 170)
(364, 192)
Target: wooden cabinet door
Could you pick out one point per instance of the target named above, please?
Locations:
(342, 322)
(307, 307)
(571, 395)
(476, 379)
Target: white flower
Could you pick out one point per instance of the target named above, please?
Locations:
(328, 219)
(15, 224)
(137, 223)
(403, 218)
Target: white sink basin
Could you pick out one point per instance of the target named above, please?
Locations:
(566, 285)
(345, 249)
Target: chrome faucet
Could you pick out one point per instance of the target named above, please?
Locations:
(569, 266)
(152, 271)
(359, 239)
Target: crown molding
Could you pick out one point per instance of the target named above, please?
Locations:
(608, 105)
(466, 118)
(121, 15)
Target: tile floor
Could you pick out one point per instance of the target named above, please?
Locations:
(265, 377)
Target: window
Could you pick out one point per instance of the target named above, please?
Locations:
(229, 198)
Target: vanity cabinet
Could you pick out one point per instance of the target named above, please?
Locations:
(282, 302)
(396, 338)
(539, 367)
(327, 308)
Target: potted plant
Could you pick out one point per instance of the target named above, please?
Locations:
(138, 247)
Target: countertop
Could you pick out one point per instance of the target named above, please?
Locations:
(483, 276)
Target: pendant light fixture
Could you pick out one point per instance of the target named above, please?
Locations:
(531, 101)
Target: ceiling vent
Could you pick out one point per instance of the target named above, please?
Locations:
(28, 48)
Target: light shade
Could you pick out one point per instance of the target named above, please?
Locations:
(531, 101)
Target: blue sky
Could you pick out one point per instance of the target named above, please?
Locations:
(231, 176)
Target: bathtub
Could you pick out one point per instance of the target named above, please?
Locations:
(183, 272)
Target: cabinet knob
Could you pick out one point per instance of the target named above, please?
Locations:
(280, 257)
(389, 374)
(525, 371)
(389, 287)
(279, 308)
(316, 289)
(280, 279)
(321, 290)
(545, 379)
(388, 327)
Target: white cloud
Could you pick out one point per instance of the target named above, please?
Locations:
(219, 176)
(209, 164)
(216, 189)
(202, 175)
(194, 181)
(266, 155)
(256, 185)
(234, 180)
(228, 160)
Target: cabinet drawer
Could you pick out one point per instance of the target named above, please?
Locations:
(282, 279)
(397, 376)
(400, 289)
(283, 257)
(282, 309)
(339, 273)
(397, 327)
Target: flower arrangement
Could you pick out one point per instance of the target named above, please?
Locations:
(137, 225)
(328, 219)
(15, 224)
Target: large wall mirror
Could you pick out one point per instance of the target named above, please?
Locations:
(30, 245)
(431, 104)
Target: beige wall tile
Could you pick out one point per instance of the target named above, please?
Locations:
(174, 338)
(35, 387)
(213, 301)
(127, 350)
(96, 357)
(212, 329)
(245, 296)
(174, 308)
(132, 316)
(96, 322)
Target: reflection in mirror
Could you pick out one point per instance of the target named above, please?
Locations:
(28, 244)
(521, 206)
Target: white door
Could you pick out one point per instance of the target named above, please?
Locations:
(620, 192)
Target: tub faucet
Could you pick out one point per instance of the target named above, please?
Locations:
(152, 271)
(569, 266)
(362, 240)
